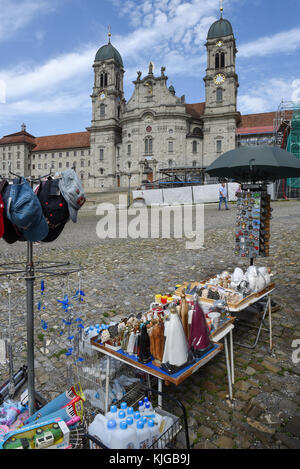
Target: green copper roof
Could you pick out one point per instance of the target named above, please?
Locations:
(109, 52)
(220, 28)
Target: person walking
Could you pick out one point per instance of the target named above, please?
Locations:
(223, 196)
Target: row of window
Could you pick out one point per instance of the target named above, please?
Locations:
(60, 154)
(149, 147)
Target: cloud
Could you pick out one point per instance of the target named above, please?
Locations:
(280, 43)
(266, 96)
(15, 15)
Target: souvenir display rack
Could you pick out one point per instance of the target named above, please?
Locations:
(29, 274)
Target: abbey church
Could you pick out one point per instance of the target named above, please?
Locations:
(130, 141)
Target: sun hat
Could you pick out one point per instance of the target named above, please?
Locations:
(24, 210)
(54, 206)
(72, 191)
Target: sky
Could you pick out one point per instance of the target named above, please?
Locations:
(48, 48)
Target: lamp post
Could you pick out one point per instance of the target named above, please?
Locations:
(128, 197)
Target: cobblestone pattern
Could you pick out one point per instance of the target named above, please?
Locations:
(122, 276)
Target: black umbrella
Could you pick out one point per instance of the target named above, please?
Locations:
(259, 163)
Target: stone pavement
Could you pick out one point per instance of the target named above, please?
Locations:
(122, 276)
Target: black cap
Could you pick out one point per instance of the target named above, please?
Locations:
(54, 206)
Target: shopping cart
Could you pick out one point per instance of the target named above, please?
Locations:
(167, 440)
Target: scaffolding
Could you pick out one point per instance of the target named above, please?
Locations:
(287, 136)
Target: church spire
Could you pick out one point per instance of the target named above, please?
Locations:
(109, 33)
(221, 8)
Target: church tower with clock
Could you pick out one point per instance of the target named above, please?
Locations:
(221, 86)
(107, 107)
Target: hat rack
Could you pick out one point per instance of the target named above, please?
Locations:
(29, 273)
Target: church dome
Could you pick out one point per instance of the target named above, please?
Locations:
(109, 52)
(220, 28)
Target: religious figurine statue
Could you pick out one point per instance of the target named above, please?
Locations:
(151, 68)
(144, 355)
(199, 341)
(139, 74)
(163, 69)
(157, 342)
(184, 315)
(176, 347)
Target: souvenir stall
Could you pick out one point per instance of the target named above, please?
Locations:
(30, 216)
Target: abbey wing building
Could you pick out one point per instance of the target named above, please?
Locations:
(155, 130)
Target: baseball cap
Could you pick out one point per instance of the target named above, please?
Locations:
(72, 191)
(11, 233)
(24, 210)
(54, 206)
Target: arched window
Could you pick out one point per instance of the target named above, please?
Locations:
(148, 145)
(102, 110)
(219, 95)
(219, 146)
(101, 155)
(195, 145)
(103, 80)
(220, 60)
(194, 164)
(170, 146)
(129, 164)
(170, 163)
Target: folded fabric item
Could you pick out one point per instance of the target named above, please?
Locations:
(11, 233)
(72, 191)
(24, 210)
(54, 206)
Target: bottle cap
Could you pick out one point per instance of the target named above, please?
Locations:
(139, 424)
(123, 425)
(130, 410)
(123, 405)
(144, 419)
(137, 415)
(141, 403)
(111, 424)
(121, 414)
(150, 423)
(129, 420)
(146, 399)
(147, 405)
(113, 408)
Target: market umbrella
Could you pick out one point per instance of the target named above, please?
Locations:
(259, 163)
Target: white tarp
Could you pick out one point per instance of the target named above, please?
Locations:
(153, 196)
(178, 195)
(210, 192)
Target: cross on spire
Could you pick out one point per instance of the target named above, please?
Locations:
(221, 8)
(109, 32)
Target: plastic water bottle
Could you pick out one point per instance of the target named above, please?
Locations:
(130, 411)
(113, 413)
(121, 416)
(143, 435)
(144, 420)
(146, 401)
(123, 406)
(124, 437)
(136, 416)
(154, 433)
(101, 429)
(129, 421)
(149, 412)
(141, 407)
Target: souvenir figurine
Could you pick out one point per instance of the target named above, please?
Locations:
(176, 348)
(157, 342)
(184, 315)
(199, 336)
(144, 355)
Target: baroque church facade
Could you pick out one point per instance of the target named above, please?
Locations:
(131, 141)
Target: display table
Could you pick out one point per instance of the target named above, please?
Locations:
(151, 369)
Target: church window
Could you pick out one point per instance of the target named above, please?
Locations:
(82, 163)
(118, 152)
(148, 145)
(194, 164)
(220, 60)
(129, 164)
(102, 110)
(103, 80)
(18, 165)
(82, 176)
(101, 154)
(89, 163)
(219, 95)
(60, 165)
(219, 146)
(101, 170)
(171, 146)
(129, 150)
(82, 152)
(67, 164)
(170, 163)
(194, 146)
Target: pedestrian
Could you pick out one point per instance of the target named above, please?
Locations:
(223, 196)
(238, 191)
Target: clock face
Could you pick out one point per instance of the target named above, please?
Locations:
(149, 86)
(219, 43)
(219, 79)
(102, 96)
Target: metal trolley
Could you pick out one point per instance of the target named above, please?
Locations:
(167, 439)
